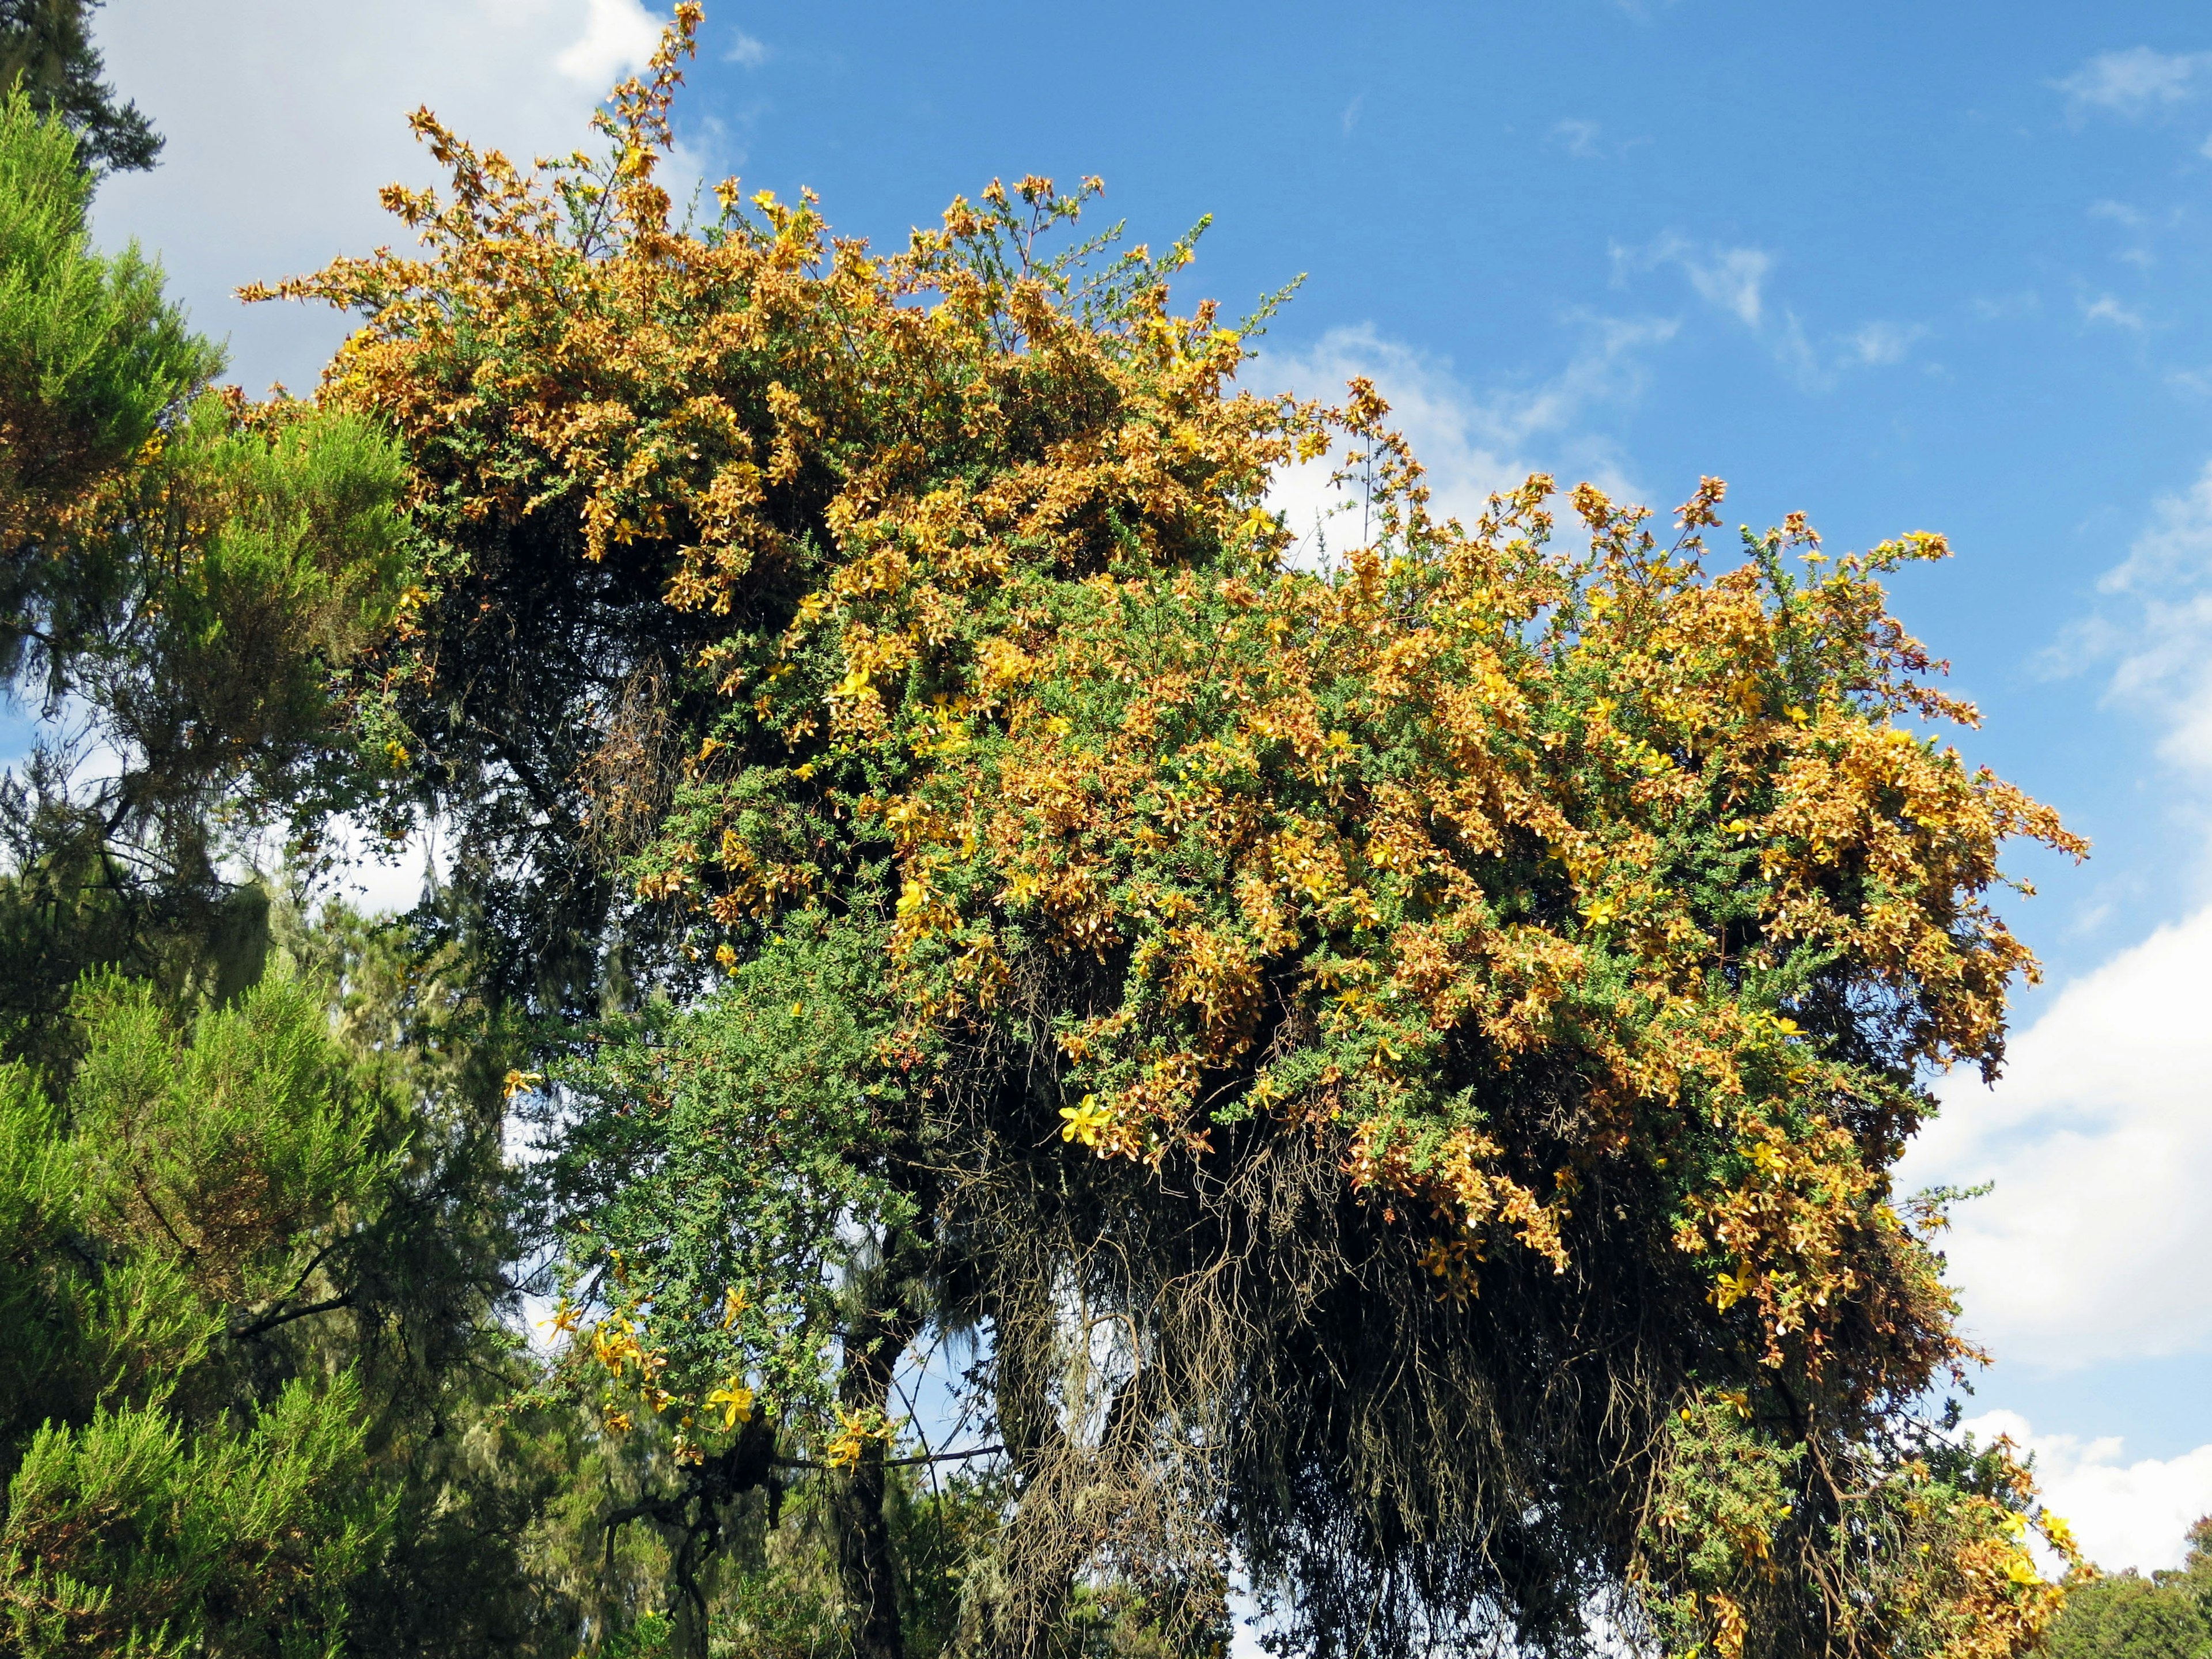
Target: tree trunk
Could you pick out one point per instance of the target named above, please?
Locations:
(865, 1566)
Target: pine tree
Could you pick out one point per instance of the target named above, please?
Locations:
(45, 47)
(253, 1220)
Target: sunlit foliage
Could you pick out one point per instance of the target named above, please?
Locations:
(2166, 1615)
(1393, 1063)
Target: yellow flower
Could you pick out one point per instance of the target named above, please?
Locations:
(1085, 1120)
(854, 1432)
(736, 1400)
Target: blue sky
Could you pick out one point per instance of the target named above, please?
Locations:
(1902, 267)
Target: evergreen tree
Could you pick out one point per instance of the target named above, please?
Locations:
(169, 1207)
(91, 354)
(46, 49)
(252, 1175)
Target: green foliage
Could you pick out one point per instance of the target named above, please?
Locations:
(91, 354)
(741, 1143)
(186, 623)
(249, 1153)
(128, 1533)
(180, 577)
(46, 45)
(183, 1186)
(2167, 1615)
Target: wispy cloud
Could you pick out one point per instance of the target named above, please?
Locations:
(1473, 442)
(2007, 307)
(1734, 281)
(1732, 278)
(748, 52)
(2153, 628)
(2137, 80)
(1881, 343)
(1585, 141)
(1578, 138)
(2107, 309)
(1350, 119)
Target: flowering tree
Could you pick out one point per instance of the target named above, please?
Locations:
(1395, 1066)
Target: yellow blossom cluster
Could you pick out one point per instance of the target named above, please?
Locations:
(1510, 865)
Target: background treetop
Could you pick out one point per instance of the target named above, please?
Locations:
(46, 49)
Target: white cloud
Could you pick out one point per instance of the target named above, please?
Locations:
(1472, 443)
(1879, 342)
(283, 120)
(2107, 309)
(618, 36)
(1350, 119)
(2136, 81)
(1732, 278)
(2125, 1514)
(2154, 625)
(1578, 138)
(2099, 1139)
(745, 50)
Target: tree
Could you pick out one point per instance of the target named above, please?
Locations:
(173, 1206)
(1397, 1064)
(92, 355)
(180, 573)
(47, 51)
(250, 1167)
(2127, 1616)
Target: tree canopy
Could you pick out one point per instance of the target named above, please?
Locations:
(47, 52)
(1076, 1051)
(2167, 1615)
